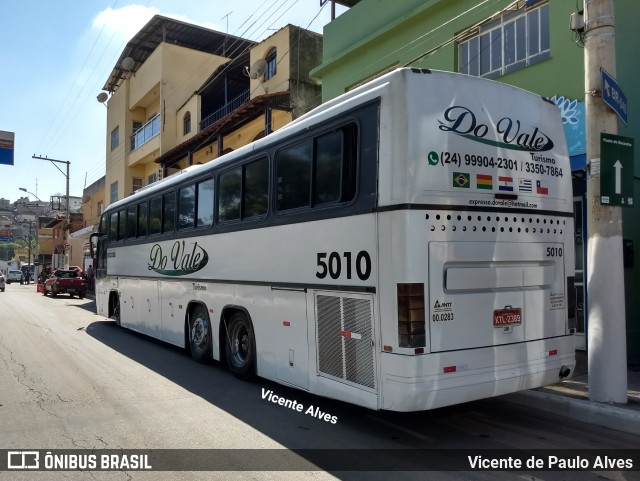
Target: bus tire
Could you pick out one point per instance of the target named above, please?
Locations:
(200, 340)
(241, 346)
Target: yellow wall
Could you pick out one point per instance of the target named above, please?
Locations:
(205, 154)
(45, 242)
(279, 118)
(241, 137)
(183, 72)
(193, 107)
(280, 81)
(90, 206)
(163, 85)
(145, 85)
(117, 115)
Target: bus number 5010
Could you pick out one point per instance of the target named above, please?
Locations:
(332, 264)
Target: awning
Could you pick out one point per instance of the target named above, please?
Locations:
(83, 232)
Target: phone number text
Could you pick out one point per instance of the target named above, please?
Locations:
(470, 160)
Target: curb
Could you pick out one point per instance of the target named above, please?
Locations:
(605, 415)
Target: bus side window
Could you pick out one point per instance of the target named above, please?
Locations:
(204, 210)
(187, 207)
(142, 219)
(229, 195)
(335, 167)
(255, 191)
(168, 212)
(293, 171)
(155, 214)
(122, 224)
(328, 168)
(322, 175)
(113, 227)
(132, 221)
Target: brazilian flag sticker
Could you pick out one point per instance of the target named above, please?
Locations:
(461, 179)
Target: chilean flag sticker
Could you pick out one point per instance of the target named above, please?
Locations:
(542, 187)
(505, 184)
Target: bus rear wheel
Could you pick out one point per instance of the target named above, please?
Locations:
(241, 346)
(200, 340)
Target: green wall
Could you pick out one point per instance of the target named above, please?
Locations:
(376, 35)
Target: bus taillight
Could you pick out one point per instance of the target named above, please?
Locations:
(411, 315)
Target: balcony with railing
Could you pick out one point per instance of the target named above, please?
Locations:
(145, 133)
(226, 109)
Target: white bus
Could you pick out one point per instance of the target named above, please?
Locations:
(405, 246)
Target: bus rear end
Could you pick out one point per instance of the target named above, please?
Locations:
(476, 242)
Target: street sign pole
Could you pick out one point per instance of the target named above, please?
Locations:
(606, 326)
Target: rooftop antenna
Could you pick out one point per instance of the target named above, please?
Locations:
(224, 44)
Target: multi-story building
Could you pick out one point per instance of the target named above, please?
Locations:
(248, 97)
(182, 95)
(57, 244)
(526, 43)
(93, 204)
(156, 74)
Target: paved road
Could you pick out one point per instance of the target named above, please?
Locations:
(71, 379)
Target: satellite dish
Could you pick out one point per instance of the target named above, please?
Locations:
(102, 97)
(127, 64)
(258, 68)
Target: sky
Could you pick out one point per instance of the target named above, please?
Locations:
(57, 56)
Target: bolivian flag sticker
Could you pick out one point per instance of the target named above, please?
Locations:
(461, 179)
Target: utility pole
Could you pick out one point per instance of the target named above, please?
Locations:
(607, 349)
(36, 254)
(29, 254)
(67, 222)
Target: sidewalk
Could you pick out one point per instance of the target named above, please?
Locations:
(570, 398)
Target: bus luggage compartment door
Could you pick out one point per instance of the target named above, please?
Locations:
(292, 351)
(491, 293)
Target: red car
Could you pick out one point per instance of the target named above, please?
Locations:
(65, 282)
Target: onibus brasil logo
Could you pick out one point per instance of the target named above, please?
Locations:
(179, 261)
(510, 134)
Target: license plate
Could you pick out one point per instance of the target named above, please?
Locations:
(507, 317)
(71, 290)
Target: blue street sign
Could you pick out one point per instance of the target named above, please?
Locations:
(6, 147)
(613, 96)
(6, 239)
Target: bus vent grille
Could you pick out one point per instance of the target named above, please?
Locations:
(345, 338)
(476, 223)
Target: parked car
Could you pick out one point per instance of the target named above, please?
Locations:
(2, 282)
(15, 276)
(65, 282)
